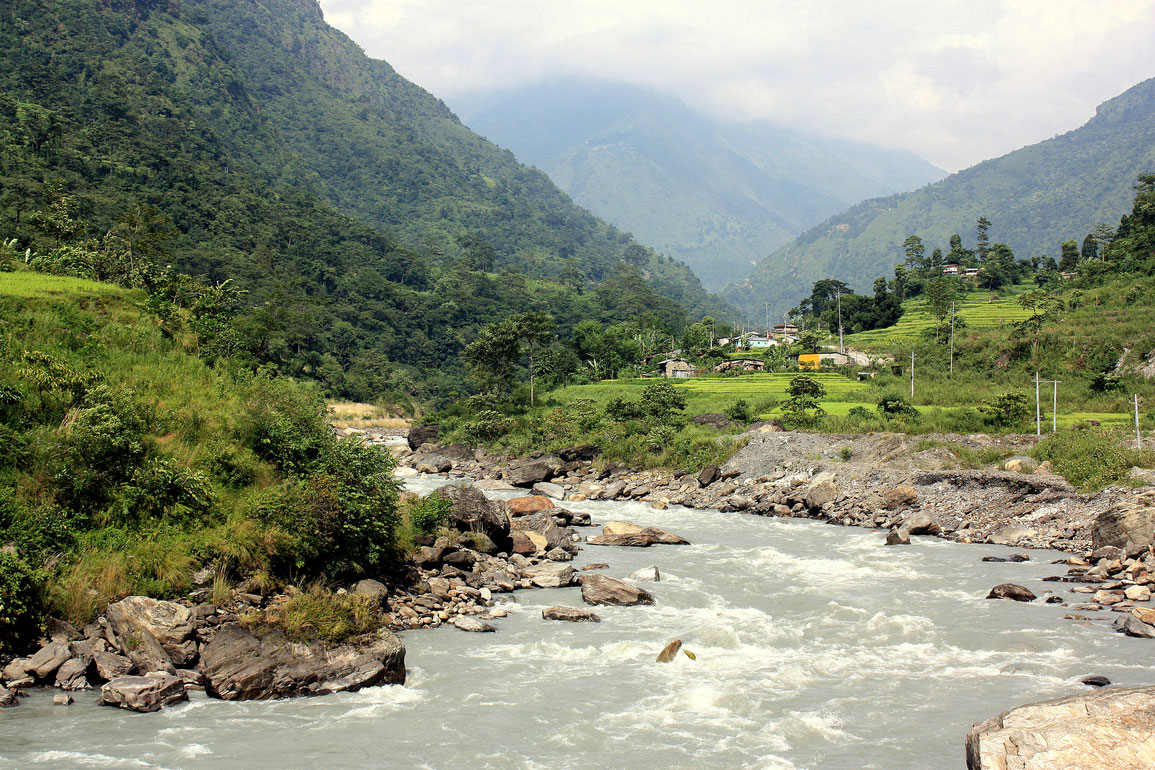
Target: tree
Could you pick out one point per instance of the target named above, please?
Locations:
(940, 291)
(915, 252)
(492, 356)
(1069, 256)
(1103, 235)
(803, 406)
(533, 329)
(1044, 308)
(810, 340)
(1090, 250)
(982, 240)
(638, 256)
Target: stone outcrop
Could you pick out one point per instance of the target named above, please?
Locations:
(1092, 730)
(422, 434)
(1011, 591)
(603, 589)
(143, 693)
(239, 666)
(523, 506)
(1131, 522)
(137, 621)
(473, 512)
(572, 614)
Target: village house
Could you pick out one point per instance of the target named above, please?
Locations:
(677, 368)
(758, 341)
(950, 269)
(818, 360)
(784, 330)
(741, 364)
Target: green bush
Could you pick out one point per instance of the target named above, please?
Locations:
(860, 413)
(741, 411)
(1007, 410)
(893, 407)
(318, 614)
(20, 603)
(430, 513)
(1091, 459)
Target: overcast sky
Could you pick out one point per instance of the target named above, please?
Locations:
(955, 82)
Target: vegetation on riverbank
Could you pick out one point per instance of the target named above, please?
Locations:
(128, 465)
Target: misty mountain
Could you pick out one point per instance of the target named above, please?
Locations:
(1036, 198)
(718, 196)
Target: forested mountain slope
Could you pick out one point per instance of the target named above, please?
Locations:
(371, 232)
(717, 195)
(1036, 198)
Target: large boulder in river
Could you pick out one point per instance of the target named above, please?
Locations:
(473, 512)
(143, 693)
(1011, 591)
(47, 659)
(822, 490)
(550, 575)
(603, 589)
(543, 524)
(920, 523)
(239, 666)
(1113, 727)
(422, 434)
(526, 473)
(522, 506)
(572, 614)
(135, 618)
(1132, 522)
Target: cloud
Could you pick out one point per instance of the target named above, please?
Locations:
(955, 82)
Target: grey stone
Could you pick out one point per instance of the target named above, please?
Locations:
(109, 665)
(920, 523)
(239, 666)
(648, 574)
(62, 699)
(820, 493)
(47, 659)
(1129, 522)
(1011, 591)
(373, 589)
(17, 668)
(603, 589)
(550, 575)
(1132, 626)
(171, 625)
(420, 435)
(897, 537)
(70, 675)
(143, 693)
(1106, 728)
(473, 625)
(545, 488)
(472, 511)
(572, 614)
(708, 475)
(7, 698)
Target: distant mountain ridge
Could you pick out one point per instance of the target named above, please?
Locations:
(718, 196)
(1036, 197)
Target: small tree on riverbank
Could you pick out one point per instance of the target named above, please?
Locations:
(806, 393)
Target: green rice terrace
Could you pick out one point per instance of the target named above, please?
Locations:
(978, 309)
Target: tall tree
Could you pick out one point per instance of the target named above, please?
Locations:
(533, 329)
(982, 240)
(915, 252)
(1069, 256)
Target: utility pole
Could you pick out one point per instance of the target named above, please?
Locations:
(912, 374)
(952, 337)
(1138, 439)
(1038, 416)
(841, 349)
(767, 306)
(1054, 401)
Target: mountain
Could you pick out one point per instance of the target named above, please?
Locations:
(719, 196)
(1036, 197)
(371, 232)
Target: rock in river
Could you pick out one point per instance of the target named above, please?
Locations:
(239, 666)
(143, 693)
(1099, 729)
(603, 589)
(572, 614)
(1011, 591)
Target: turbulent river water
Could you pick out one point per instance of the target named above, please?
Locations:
(816, 646)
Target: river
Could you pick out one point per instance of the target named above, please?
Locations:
(815, 645)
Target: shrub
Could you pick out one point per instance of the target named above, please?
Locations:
(1007, 410)
(318, 614)
(891, 407)
(20, 603)
(741, 411)
(485, 426)
(621, 409)
(1091, 459)
(430, 513)
(860, 413)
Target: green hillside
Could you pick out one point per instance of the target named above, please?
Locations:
(1036, 197)
(128, 464)
(718, 196)
(368, 235)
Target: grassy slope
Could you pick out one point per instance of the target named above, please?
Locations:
(202, 488)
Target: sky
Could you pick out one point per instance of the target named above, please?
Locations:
(954, 82)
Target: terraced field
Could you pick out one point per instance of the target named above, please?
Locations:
(28, 284)
(977, 309)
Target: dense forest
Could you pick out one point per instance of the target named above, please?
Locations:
(364, 234)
